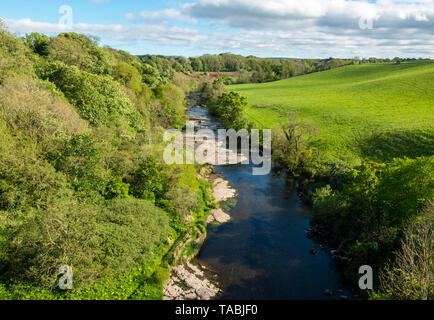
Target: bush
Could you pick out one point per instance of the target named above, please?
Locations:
(129, 76)
(411, 275)
(165, 115)
(96, 242)
(79, 159)
(211, 91)
(117, 189)
(291, 148)
(405, 187)
(36, 109)
(14, 55)
(327, 206)
(148, 182)
(39, 43)
(98, 99)
(26, 180)
(169, 109)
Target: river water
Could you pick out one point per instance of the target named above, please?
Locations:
(263, 253)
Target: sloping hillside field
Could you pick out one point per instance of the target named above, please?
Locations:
(375, 112)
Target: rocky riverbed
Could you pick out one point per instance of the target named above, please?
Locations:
(192, 281)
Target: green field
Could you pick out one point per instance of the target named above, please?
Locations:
(377, 112)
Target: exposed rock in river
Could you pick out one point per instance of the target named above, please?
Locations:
(222, 190)
(218, 215)
(188, 282)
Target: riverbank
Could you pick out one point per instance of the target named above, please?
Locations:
(192, 280)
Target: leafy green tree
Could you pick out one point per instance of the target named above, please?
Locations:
(117, 189)
(291, 148)
(196, 64)
(98, 99)
(79, 159)
(148, 182)
(230, 108)
(83, 52)
(129, 76)
(14, 55)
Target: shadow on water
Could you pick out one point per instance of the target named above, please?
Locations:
(263, 253)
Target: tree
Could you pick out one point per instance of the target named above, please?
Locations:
(129, 76)
(14, 55)
(230, 108)
(83, 52)
(288, 70)
(290, 143)
(196, 64)
(148, 182)
(98, 99)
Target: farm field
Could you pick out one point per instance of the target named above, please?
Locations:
(376, 112)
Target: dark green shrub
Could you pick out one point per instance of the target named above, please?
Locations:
(148, 182)
(39, 43)
(117, 189)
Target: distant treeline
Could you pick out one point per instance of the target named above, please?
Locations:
(252, 69)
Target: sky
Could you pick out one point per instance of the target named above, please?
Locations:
(267, 28)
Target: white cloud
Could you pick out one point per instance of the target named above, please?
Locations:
(400, 27)
(162, 15)
(283, 14)
(309, 28)
(28, 26)
(160, 34)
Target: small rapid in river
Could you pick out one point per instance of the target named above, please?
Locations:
(263, 252)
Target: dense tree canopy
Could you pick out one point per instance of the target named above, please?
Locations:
(81, 180)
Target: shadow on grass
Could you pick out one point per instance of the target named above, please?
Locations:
(385, 146)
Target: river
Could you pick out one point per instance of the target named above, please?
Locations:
(263, 253)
